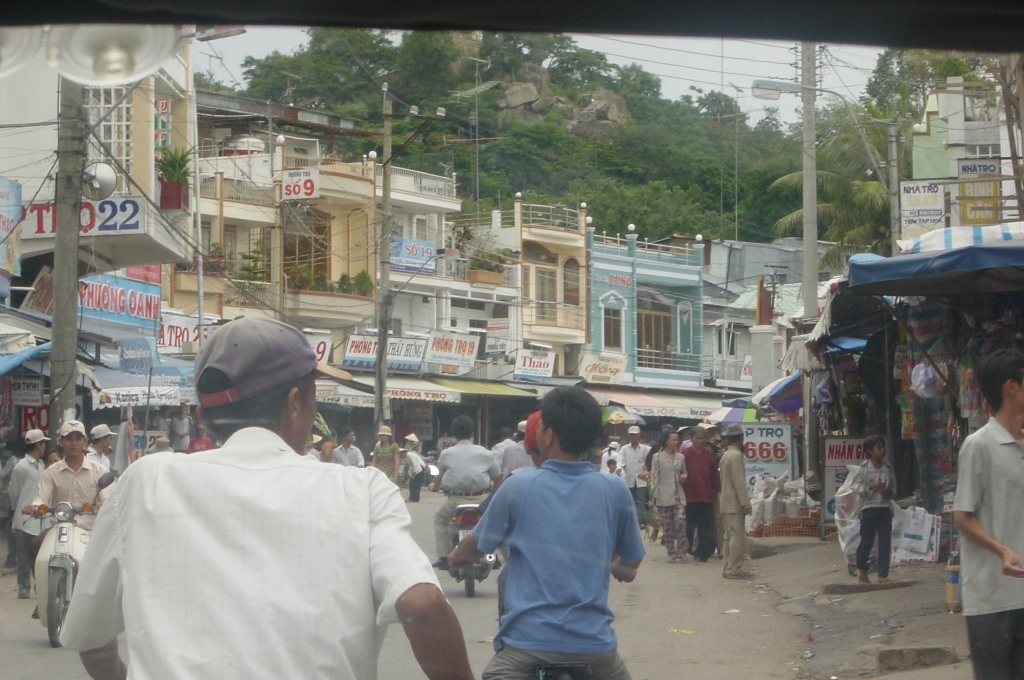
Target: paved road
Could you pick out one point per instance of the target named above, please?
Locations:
(671, 623)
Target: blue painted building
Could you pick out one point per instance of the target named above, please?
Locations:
(645, 303)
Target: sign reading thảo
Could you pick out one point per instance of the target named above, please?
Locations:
(531, 363)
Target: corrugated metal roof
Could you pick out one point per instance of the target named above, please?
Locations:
(789, 299)
(493, 389)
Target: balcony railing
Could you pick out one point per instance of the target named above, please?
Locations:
(651, 252)
(551, 217)
(722, 368)
(239, 190)
(330, 166)
(667, 360)
(251, 294)
(555, 314)
(414, 181)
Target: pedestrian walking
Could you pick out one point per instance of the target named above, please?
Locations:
(386, 456)
(987, 509)
(415, 467)
(633, 456)
(735, 503)
(200, 442)
(568, 530)
(181, 429)
(22, 489)
(347, 453)
(701, 487)
(876, 510)
(466, 472)
(667, 474)
(611, 452)
(224, 531)
(100, 438)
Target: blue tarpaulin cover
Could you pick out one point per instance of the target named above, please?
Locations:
(988, 268)
(844, 343)
(10, 362)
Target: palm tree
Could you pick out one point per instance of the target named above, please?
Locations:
(853, 206)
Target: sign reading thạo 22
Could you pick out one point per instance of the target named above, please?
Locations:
(532, 363)
(452, 349)
(767, 451)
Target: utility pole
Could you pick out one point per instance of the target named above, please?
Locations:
(894, 185)
(808, 73)
(384, 300)
(68, 198)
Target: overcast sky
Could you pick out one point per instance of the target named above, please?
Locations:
(681, 63)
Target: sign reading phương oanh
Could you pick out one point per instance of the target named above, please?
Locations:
(405, 355)
(108, 297)
(452, 349)
(532, 363)
(767, 451)
(603, 368)
(120, 215)
(10, 233)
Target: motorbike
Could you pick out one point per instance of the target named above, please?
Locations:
(59, 557)
(465, 519)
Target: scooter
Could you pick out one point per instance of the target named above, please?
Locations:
(58, 560)
(465, 520)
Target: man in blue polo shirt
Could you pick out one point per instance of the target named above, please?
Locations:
(567, 529)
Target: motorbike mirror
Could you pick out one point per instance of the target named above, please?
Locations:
(105, 480)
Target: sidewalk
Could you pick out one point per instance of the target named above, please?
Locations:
(862, 634)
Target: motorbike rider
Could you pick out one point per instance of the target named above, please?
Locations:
(568, 529)
(75, 479)
(467, 472)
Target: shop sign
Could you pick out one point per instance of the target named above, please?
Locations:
(38, 417)
(446, 443)
(27, 391)
(136, 354)
(158, 395)
(123, 215)
(979, 201)
(10, 218)
(496, 347)
(532, 363)
(922, 208)
(603, 368)
(176, 330)
(300, 184)
(843, 451)
(330, 394)
(147, 273)
(417, 394)
(452, 349)
(498, 328)
(408, 255)
(767, 451)
(322, 346)
(101, 296)
(143, 441)
(404, 354)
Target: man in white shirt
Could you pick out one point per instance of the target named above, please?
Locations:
(611, 452)
(99, 451)
(347, 452)
(987, 510)
(22, 489)
(194, 558)
(633, 456)
(181, 429)
(499, 449)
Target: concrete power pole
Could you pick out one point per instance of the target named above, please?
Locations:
(384, 300)
(894, 185)
(808, 73)
(70, 166)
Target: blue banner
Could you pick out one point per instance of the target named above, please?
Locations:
(413, 256)
(10, 235)
(114, 298)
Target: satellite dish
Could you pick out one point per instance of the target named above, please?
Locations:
(17, 46)
(110, 54)
(98, 181)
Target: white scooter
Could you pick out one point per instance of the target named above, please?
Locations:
(59, 558)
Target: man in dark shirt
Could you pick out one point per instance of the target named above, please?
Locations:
(701, 486)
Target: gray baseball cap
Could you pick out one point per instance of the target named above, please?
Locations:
(733, 430)
(257, 355)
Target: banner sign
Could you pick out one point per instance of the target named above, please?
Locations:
(142, 441)
(101, 296)
(147, 273)
(38, 417)
(532, 363)
(603, 368)
(322, 346)
(843, 451)
(159, 395)
(10, 218)
(408, 255)
(176, 329)
(27, 391)
(136, 354)
(452, 349)
(767, 451)
(300, 184)
(922, 208)
(979, 201)
(330, 394)
(404, 354)
(123, 215)
(498, 328)
(496, 346)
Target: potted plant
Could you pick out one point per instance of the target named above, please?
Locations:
(173, 168)
(488, 267)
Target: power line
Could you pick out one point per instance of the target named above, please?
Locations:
(677, 49)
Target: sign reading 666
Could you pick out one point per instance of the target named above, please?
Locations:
(767, 450)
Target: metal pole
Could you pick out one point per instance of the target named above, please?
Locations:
(197, 223)
(808, 53)
(384, 300)
(71, 155)
(736, 181)
(894, 185)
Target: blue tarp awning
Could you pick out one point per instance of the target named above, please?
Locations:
(844, 343)
(988, 268)
(10, 362)
(739, 402)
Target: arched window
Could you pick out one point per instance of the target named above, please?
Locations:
(534, 252)
(571, 282)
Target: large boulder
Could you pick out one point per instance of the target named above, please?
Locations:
(590, 128)
(525, 115)
(545, 102)
(603, 105)
(535, 74)
(518, 94)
